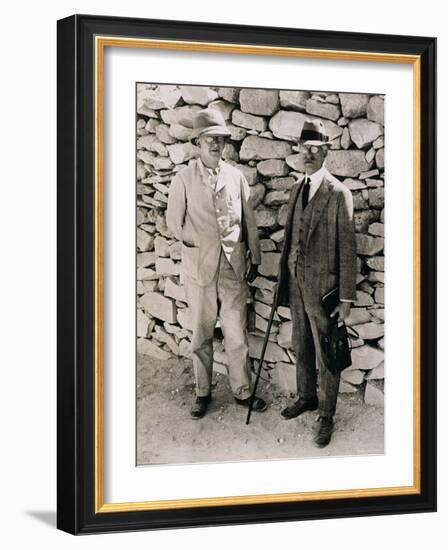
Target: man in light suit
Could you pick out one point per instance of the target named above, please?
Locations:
(319, 255)
(209, 213)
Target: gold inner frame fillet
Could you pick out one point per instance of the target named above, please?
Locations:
(101, 42)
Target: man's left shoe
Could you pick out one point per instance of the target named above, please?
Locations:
(323, 436)
(259, 404)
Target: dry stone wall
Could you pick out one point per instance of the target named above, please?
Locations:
(264, 125)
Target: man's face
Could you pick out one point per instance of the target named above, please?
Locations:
(313, 157)
(210, 149)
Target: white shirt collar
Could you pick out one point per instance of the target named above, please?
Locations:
(315, 180)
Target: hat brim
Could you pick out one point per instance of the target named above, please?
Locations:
(210, 131)
(312, 142)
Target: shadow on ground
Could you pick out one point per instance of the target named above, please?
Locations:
(167, 435)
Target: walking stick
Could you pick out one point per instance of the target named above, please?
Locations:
(263, 351)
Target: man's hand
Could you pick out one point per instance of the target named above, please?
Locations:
(252, 273)
(342, 309)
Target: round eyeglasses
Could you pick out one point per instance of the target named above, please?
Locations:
(314, 149)
(214, 139)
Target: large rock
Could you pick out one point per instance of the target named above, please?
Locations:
(236, 132)
(257, 193)
(345, 387)
(144, 324)
(366, 245)
(353, 376)
(294, 100)
(376, 197)
(229, 94)
(265, 310)
(146, 347)
(363, 299)
(366, 357)
(376, 263)
(146, 274)
(363, 132)
(163, 134)
(282, 215)
(274, 353)
(162, 247)
(363, 219)
(146, 259)
(347, 163)
(373, 395)
(159, 306)
(198, 95)
(265, 217)
(275, 198)
(284, 312)
(224, 107)
(182, 152)
(379, 158)
(375, 109)
(377, 373)
(285, 377)
(284, 337)
(166, 266)
(323, 109)
(358, 316)
(379, 295)
(287, 124)
(269, 264)
(262, 282)
(175, 291)
(354, 105)
(370, 331)
(145, 242)
(180, 132)
(377, 229)
(273, 167)
(249, 172)
(281, 184)
(251, 122)
(258, 148)
(259, 102)
(180, 115)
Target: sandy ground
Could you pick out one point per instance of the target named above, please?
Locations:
(167, 435)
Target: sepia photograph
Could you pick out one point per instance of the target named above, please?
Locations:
(260, 268)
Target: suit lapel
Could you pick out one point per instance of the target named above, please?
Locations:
(221, 181)
(291, 207)
(321, 199)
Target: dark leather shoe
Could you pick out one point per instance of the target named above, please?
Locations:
(299, 407)
(323, 436)
(259, 404)
(199, 407)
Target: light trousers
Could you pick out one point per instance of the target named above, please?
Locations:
(224, 299)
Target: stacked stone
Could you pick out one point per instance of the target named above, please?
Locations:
(264, 125)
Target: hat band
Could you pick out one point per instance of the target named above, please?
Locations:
(312, 135)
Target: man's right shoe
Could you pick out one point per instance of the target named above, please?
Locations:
(299, 407)
(199, 407)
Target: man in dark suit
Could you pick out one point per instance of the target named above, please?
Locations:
(319, 255)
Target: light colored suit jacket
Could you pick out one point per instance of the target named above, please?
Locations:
(330, 252)
(207, 221)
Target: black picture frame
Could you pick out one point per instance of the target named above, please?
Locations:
(76, 476)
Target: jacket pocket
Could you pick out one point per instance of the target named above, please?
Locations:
(190, 260)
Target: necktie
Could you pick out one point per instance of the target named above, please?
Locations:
(305, 192)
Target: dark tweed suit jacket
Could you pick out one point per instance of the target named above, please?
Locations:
(330, 254)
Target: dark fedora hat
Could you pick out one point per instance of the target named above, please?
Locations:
(209, 122)
(313, 133)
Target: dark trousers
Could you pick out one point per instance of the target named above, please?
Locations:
(306, 339)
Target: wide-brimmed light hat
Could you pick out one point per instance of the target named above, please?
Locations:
(313, 133)
(209, 122)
